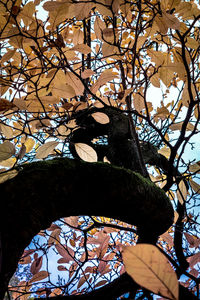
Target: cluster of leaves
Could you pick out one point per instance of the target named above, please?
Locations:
(87, 54)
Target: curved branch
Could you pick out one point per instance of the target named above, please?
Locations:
(45, 191)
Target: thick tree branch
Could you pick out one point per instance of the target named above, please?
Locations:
(43, 192)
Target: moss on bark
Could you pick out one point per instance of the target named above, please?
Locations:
(44, 191)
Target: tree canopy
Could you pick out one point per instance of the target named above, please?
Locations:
(99, 167)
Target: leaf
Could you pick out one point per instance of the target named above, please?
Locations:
(195, 167)
(105, 76)
(63, 90)
(86, 152)
(165, 151)
(75, 83)
(39, 276)
(182, 192)
(195, 186)
(82, 280)
(87, 73)
(83, 48)
(66, 253)
(7, 131)
(8, 175)
(192, 240)
(44, 150)
(5, 104)
(36, 265)
(151, 269)
(29, 143)
(194, 259)
(7, 149)
(101, 118)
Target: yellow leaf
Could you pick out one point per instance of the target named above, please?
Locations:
(86, 152)
(8, 163)
(8, 175)
(7, 149)
(151, 269)
(29, 143)
(44, 150)
(101, 117)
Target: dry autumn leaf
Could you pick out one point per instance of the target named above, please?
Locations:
(87, 73)
(39, 276)
(83, 48)
(5, 104)
(8, 175)
(86, 152)
(7, 149)
(195, 186)
(44, 150)
(101, 117)
(151, 269)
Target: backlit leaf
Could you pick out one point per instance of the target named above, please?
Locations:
(101, 117)
(39, 276)
(5, 104)
(105, 76)
(195, 186)
(87, 73)
(151, 269)
(86, 152)
(8, 175)
(7, 149)
(83, 48)
(44, 150)
(29, 143)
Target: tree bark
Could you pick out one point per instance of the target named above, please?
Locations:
(45, 191)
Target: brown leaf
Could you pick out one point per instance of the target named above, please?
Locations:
(36, 265)
(82, 280)
(39, 276)
(66, 253)
(5, 104)
(7, 149)
(194, 259)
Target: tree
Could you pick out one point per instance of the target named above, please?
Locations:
(99, 105)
